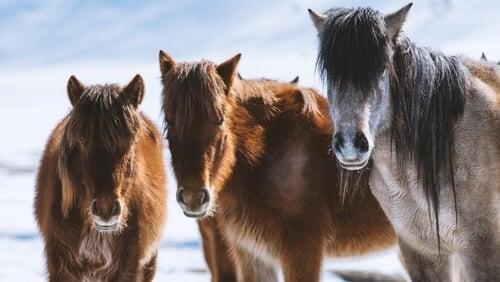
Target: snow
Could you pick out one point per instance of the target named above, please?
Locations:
(277, 42)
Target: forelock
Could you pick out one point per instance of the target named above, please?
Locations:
(354, 48)
(102, 121)
(190, 90)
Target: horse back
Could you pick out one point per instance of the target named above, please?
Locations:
(488, 73)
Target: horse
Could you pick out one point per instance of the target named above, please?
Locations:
(215, 249)
(430, 124)
(254, 155)
(100, 194)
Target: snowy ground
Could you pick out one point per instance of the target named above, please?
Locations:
(277, 41)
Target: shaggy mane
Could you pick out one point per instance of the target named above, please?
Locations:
(191, 89)
(101, 120)
(428, 92)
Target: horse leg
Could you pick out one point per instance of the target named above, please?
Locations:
(302, 262)
(216, 252)
(128, 270)
(424, 268)
(57, 266)
(149, 269)
(481, 259)
(253, 269)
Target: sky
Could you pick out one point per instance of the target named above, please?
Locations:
(42, 43)
(35, 34)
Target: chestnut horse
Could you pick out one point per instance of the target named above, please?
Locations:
(214, 247)
(100, 195)
(254, 154)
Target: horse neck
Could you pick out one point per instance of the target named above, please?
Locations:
(428, 93)
(248, 124)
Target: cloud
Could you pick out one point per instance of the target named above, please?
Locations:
(56, 32)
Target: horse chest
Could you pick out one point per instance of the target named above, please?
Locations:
(408, 212)
(96, 255)
(251, 240)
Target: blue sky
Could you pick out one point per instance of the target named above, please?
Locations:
(57, 32)
(276, 37)
(51, 32)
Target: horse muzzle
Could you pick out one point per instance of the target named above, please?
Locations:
(194, 203)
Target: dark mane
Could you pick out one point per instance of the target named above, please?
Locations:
(428, 91)
(192, 88)
(100, 120)
(347, 56)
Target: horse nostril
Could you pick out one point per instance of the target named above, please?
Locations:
(361, 143)
(93, 207)
(179, 197)
(117, 208)
(205, 196)
(193, 199)
(338, 142)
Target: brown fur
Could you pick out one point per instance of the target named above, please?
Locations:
(214, 247)
(104, 149)
(274, 186)
(486, 71)
(216, 251)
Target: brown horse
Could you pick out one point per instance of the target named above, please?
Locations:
(100, 196)
(255, 155)
(216, 251)
(214, 247)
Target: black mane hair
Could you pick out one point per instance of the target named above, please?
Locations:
(346, 53)
(428, 92)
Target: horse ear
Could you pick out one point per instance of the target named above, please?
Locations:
(166, 62)
(394, 21)
(75, 89)
(295, 81)
(133, 93)
(227, 70)
(318, 20)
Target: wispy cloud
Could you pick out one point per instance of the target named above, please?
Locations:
(55, 31)
(41, 33)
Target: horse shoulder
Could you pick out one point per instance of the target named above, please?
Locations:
(149, 146)
(47, 178)
(150, 189)
(483, 107)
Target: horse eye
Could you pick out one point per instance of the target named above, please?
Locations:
(128, 169)
(219, 121)
(168, 124)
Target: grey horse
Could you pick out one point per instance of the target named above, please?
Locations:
(430, 124)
